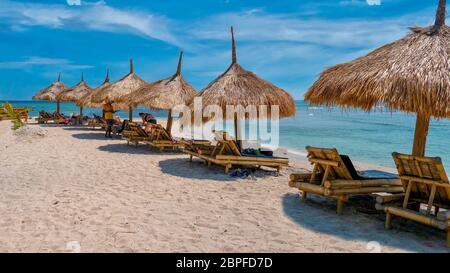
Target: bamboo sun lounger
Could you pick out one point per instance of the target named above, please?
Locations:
(45, 117)
(135, 134)
(425, 182)
(161, 139)
(226, 153)
(97, 122)
(334, 176)
(23, 115)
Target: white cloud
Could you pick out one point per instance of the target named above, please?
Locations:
(43, 61)
(263, 27)
(95, 16)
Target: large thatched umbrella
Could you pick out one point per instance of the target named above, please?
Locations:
(411, 75)
(164, 94)
(86, 100)
(74, 93)
(50, 93)
(116, 92)
(238, 87)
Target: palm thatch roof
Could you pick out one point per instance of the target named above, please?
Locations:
(237, 86)
(411, 75)
(164, 94)
(74, 93)
(49, 93)
(116, 92)
(86, 100)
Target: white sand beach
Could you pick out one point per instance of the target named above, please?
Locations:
(69, 186)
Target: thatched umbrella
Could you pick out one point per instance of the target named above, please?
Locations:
(74, 93)
(238, 87)
(164, 94)
(50, 93)
(86, 100)
(411, 75)
(116, 92)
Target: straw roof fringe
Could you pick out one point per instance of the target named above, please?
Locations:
(116, 92)
(411, 75)
(76, 92)
(236, 86)
(164, 94)
(49, 93)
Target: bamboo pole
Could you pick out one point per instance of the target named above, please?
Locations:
(324, 162)
(251, 158)
(336, 184)
(299, 176)
(390, 198)
(307, 187)
(430, 182)
(417, 217)
(420, 134)
(169, 121)
(362, 190)
(130, 114)
(57, 107)
(237, 131)
(81, 111)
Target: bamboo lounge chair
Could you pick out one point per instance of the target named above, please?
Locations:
(97, 121)
(44, 117)
(425, 182)
(334, 176)
(227, 153)
(161, 139)
(23, 113)
(135, 134)
(60, 119)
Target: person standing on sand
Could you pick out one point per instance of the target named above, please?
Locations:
(109, 111)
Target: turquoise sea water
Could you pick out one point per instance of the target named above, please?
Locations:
(366, 137)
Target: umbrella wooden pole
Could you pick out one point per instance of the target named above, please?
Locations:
(57, 107)
(420, 134)
(237, 131)
(81, 111)
(130, 114)
(169, 121)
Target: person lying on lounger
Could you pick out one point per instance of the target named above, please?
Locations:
(147, 118)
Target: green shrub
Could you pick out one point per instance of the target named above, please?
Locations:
(14, 114)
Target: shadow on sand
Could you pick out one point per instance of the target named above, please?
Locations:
(196, 169)
(318, 214)
(94, 135)
(51, 125)
(123, 148)
(83, 128)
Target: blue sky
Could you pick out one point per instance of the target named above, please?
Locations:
(288, 42)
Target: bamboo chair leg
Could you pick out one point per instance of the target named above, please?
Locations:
(388, 224)
(190, 158)
(340, 207)
(227, 168)
(304, 196)
(431, 199)
(408, 192)
(436, 211)
(448, 237)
